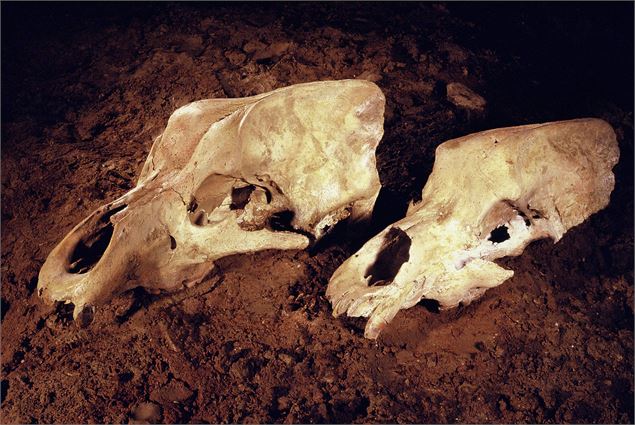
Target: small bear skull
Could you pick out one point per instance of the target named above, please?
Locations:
(489, 195)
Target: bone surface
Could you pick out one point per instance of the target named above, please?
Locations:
(228, 176)
(489, 195)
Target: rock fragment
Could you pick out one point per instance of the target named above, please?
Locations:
(465, 98)
(272, 51)
(146, 413)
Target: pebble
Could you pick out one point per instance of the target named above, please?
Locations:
(369, 76)
(253, 46)
(284, 403)
(235, 58)
(465, 98)
(285, 358)
(272, 51)
(149, 412)
(329, 378)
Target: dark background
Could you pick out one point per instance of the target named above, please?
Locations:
(86, 86)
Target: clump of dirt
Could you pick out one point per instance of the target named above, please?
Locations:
(86, 88)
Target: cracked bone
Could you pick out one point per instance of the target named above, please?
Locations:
(489, 195)
(228, 176)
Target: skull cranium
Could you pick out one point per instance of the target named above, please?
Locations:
(228, 176)
(489, 195)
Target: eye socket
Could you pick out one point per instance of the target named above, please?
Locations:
(214, 190)
(499, 234)
(240, 197)
(208, 196)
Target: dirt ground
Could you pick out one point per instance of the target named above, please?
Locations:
(86, 87)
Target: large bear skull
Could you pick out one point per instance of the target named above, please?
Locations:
(489, 195)
(228, 176)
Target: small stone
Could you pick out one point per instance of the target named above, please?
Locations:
(369, 76)
(239, 370)
(286, 358)
(235, 58)
(253, 46)
(455, 53)
(284, 403)
(465, 98)
(272, 51)
(147, 412)
(51, 323)
(88, 127)
(175, 391)
(499, 351)
(192, 45)
(329, 378)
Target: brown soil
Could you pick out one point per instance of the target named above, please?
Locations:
(86, 87)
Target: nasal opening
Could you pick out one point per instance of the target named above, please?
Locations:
(92, 246)
(395, 250)
(499, 234)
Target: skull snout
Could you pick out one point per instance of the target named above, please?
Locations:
(73, 262)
